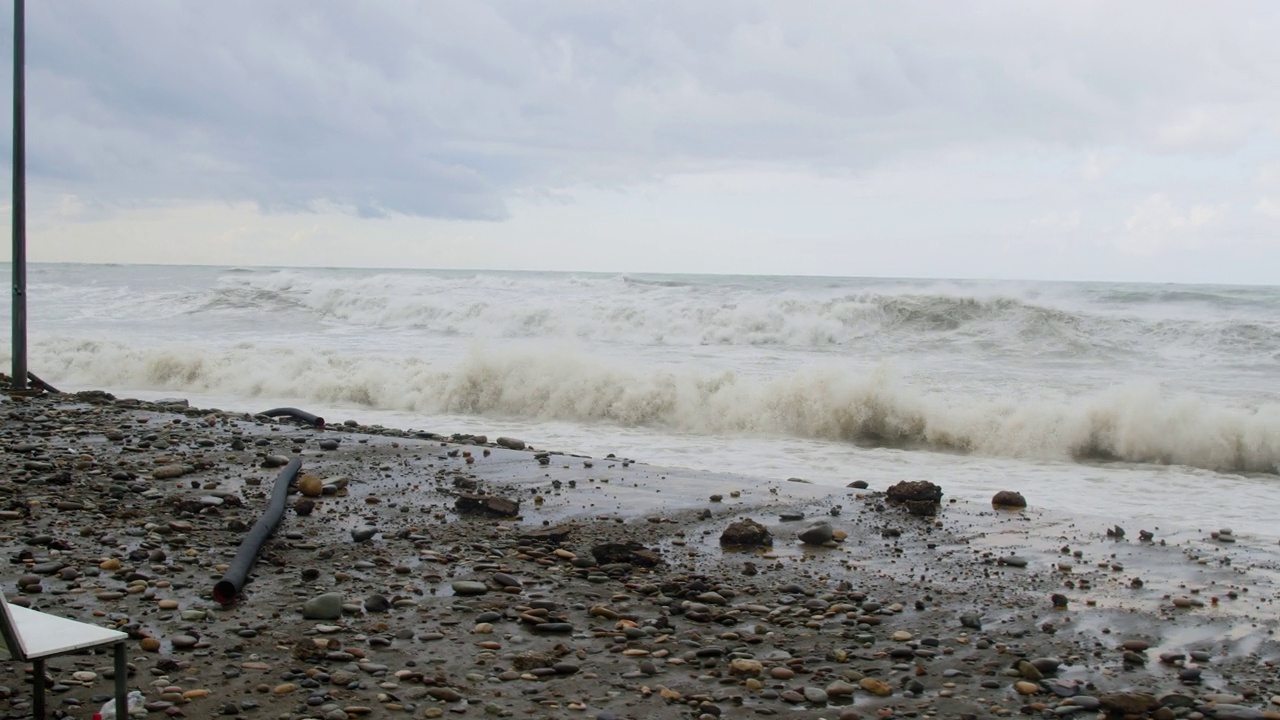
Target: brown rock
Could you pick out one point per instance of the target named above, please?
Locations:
(488, 504)
(629, 552)
(1009, 499)
(746, 533)
(1129, 702)
(168, 472)
(310, 486)
(876, 687)
(914, 490)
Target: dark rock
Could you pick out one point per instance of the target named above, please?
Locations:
(858, 485)
(923, 508)
(488, 504)
(509, 443)
(917, 490)
(629, 552)
(746, 533)
(554, 534)
(1129, 702)
(817, 534)
(1009, 499)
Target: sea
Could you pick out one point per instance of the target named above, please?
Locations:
(1146, 405)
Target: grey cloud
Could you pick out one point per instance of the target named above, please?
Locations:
(447, 109)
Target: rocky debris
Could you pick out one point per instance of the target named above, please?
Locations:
(510, 443)
(914, 491)
(625, 552)
(557, 613)
(488, 504)
(1008, 499)
(746, 533)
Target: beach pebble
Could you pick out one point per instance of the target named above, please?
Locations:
(310, 486)
(323, 607)
(815, 696)
(816, 534)
(363, 534)
(1129, 702)
(876, 687)
(469, 587)
(1226, 711)
(168, 472)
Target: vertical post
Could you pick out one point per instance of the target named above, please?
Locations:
(19, 381)
(122, 680)
(37, 682)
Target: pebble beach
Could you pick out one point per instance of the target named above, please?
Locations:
(424, 574)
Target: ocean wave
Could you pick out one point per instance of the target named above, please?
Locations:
(879, 408)
(886, 319)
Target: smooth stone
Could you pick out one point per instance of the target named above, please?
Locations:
(469, 587)
(876, 687)
(816, 696)
(817, 534)
(183, 642)
(323, 607)
(1236, 712)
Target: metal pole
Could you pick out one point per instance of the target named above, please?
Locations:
(19, 379)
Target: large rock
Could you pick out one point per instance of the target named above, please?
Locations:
(323, 607)
(746, 533)
(629, 552)
(509, 443)
(914, 490)
(1009, 499)
(488, 504)
(817, 534)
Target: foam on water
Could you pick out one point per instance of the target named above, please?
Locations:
(1118, 394)
(1136, 423)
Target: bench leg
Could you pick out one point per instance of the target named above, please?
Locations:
(122, 682)
(37, 689)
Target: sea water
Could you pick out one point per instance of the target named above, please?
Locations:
(1144, 405)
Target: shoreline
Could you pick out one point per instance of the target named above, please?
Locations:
(802, 630)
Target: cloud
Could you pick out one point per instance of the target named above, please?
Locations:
(1058, 221)
(1268, 206)
(1157, 222)
(1097, 166)
(451, 110)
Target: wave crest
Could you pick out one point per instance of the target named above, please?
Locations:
(1139, 424)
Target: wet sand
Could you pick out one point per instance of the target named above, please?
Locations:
(125, 513)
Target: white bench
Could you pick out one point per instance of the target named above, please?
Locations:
(32, 636)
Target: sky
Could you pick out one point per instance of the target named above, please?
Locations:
(1073, 140)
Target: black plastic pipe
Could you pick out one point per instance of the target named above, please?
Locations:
(295, 413)
(228, 588)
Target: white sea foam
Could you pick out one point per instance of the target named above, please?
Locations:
(1138, 423)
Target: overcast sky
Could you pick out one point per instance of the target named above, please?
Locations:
(1060, 140)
